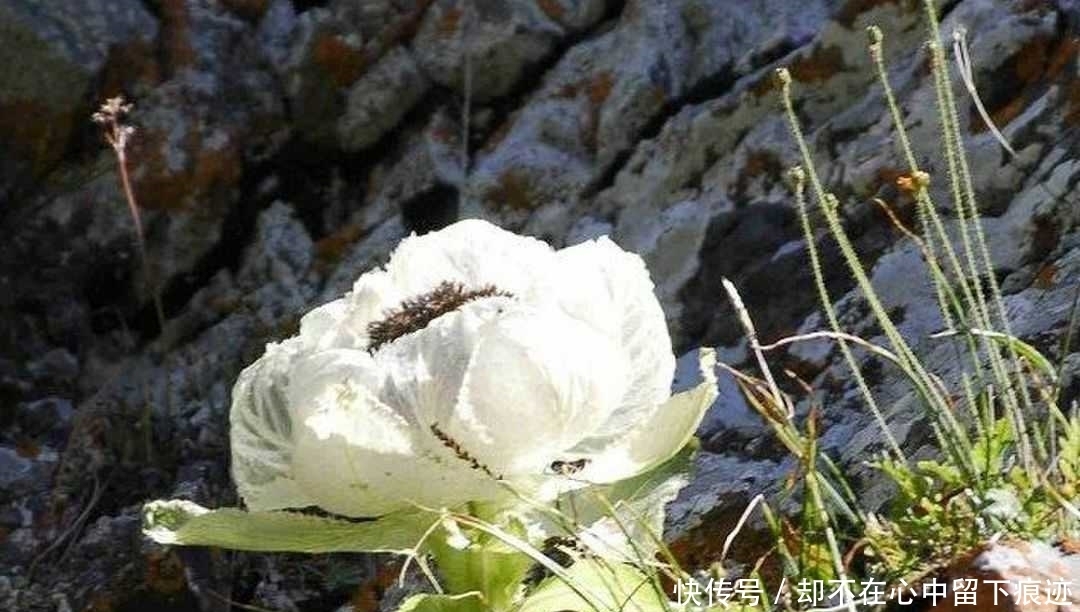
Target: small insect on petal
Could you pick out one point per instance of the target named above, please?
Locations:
(568, 468)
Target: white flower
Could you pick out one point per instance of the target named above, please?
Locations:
(474, 360)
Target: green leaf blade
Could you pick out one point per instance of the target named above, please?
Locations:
(616, 586)
(183, 523)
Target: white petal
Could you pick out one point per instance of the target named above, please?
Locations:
(373, 296)
(262, 432)
(508, 385)
(355, 455)
(328, 327)
(659, 437)
(425, 370)
(316, 373)
(472, 252)
(538, 382)
(610, 289)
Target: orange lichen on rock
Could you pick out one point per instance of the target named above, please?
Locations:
(342, 63)
(331, 248)
(442, 134)
(849, 13)
(599, 87)
(499, 134)
(165, 573)
(101, 602)
(1062, 55)
(160, 187)
(763, 86)
(25, 447)
(367, 596)
(176, 35)
(1067, 56)
(702, 546)
(1072, 104)
(1001, 115)
(448, 22)
(819, 66)
(41, 141)
(1037, 65)
(216, 168)
(552, 8)
(1031, 59)
(128, 64)
(251, 10)
(759, 162)
(513, 191)
(568, 90)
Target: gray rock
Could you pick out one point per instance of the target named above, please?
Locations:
(379, 99)
(281, 251)
(276, 29)
(722, 485)
(22, 475)
(190, 150)
(363, 256)
(730, 420)
(1070, 382)
(58, 367)
(61, 49)
(503, 39)
(51, 415)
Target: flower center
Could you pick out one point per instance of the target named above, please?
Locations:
(415, 313)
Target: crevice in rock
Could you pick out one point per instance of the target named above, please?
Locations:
(707, 89)
(431, 209)
(741, 246)
(307, 173)
(947, 9)
(711, 87)
(153, 7)
(303, 5)
(236, 231)
(504, 106)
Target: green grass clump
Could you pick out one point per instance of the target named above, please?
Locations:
(1009, 455)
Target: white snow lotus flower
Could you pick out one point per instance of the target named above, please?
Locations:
(476, 357)
(477, 361)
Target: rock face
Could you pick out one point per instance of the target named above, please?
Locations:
(62, 51)
(284, 147)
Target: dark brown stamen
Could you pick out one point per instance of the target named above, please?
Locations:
(461, 453)
(415, 313)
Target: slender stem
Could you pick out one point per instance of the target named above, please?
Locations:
(140, 237)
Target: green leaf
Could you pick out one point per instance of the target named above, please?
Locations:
(487, 566)
(614, 586)
(623, 521)
(468, 602)
(185, 523)
(988, 451)
(946, 474)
